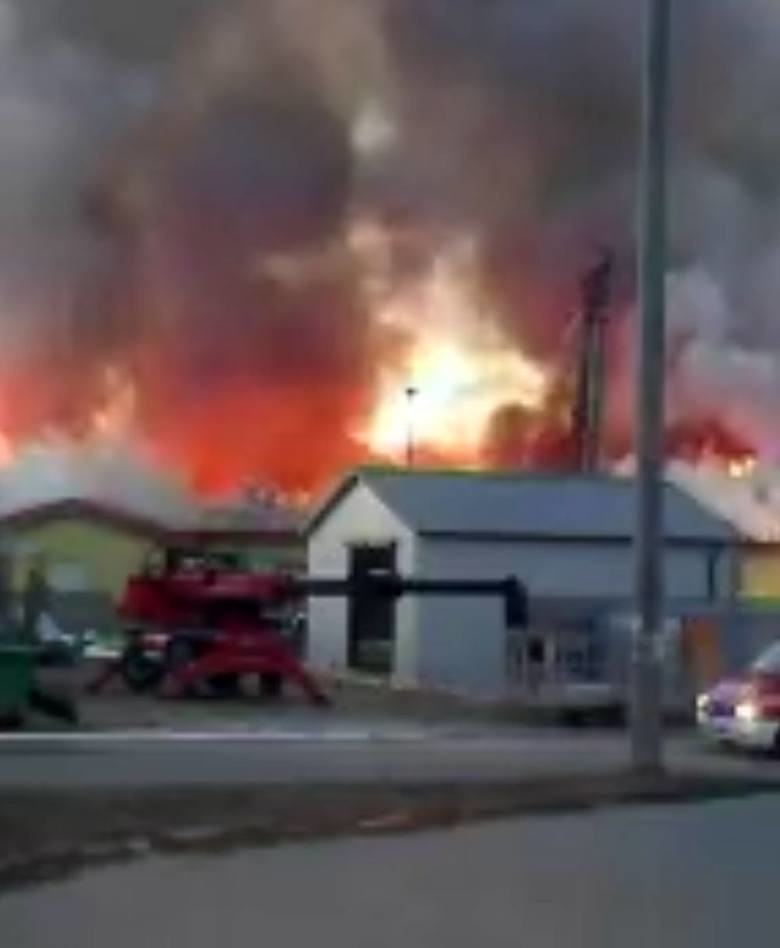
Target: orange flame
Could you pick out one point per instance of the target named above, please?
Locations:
(443, 397)
(455, 370)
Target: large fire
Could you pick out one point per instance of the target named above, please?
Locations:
(446, 386)
(436, 397)
(266, 242)
(441, 401)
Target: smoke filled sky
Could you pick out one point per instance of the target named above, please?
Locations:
(223, 225)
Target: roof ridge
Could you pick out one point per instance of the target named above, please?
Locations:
(480, 474)
(392, 484)
(96, 507)
(139, 521)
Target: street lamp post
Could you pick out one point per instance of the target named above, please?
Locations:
(646, 730)
(411, 394)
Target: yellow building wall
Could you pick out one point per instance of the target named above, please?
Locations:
(104, 556)
(760, 577)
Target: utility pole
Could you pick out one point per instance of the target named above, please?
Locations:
(411, 394)
(646, 728)
(596, 288)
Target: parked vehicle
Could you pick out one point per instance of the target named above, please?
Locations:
(744, 711)
(200, 622)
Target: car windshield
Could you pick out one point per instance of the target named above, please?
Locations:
(769, 660)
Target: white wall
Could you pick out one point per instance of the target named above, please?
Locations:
(463, 641)
(359, 518)
(583, 569)
(456, 642)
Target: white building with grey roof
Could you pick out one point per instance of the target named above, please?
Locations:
(567, 538)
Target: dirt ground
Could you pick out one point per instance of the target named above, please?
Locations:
(115, 708)
(48, 835)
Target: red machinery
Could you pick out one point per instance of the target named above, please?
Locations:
(197, 621)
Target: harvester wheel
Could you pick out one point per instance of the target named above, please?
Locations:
(139, 672)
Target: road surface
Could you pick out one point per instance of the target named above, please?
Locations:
(339, 753)
(670, 877)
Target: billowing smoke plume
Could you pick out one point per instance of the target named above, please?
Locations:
(210, 206)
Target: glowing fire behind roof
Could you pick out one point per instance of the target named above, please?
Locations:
(234, 238)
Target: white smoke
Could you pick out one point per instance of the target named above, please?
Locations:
(715, 374)
(114, 475)
(118, 476)
(750, 503)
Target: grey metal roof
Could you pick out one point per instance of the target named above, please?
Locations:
(517, 504)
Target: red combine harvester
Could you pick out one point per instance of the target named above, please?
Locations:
(201, 622)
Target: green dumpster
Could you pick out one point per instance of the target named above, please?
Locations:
(17, 665)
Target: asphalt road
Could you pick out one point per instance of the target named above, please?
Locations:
(389, 753)
(678, 877)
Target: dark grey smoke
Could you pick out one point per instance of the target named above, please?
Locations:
(160, 159)
(530, 111)
(145, 31)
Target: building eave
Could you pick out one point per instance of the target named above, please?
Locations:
(75, 508)
(499, 537)
(331, 499)
(271, 538)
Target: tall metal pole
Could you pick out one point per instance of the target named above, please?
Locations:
(596, 293)
(646, 729)
(411, 394)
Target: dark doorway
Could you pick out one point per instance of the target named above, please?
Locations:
(371, 622)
